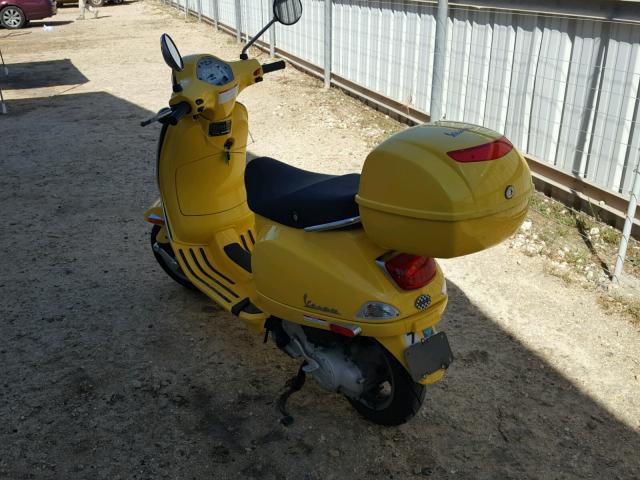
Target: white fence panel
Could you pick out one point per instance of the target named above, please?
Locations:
(563, 89)
(227, 12)
(305, 39)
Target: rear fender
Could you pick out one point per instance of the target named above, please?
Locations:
(399, 336)
(396, 346)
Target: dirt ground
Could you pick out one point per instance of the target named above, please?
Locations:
(109, 370)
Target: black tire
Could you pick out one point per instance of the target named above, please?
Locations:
(12, 17)
(96, 3)
(177, 275)
(402, 397)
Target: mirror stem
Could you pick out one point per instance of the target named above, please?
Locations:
(243, 55)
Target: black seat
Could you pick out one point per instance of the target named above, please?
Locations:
(298, 198)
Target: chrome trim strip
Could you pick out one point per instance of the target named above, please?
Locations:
(333, 225)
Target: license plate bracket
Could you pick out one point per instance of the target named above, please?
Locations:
(428, 356)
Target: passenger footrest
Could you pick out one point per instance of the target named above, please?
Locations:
(245, 306)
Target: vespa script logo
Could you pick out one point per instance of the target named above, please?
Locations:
(309, 304)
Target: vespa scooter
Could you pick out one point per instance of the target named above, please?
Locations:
(339, 270)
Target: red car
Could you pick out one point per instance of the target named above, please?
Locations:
(17, 13)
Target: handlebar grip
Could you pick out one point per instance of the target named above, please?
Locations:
(272, 67)
(178, 111)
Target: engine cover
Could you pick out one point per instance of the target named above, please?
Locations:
(330, 367)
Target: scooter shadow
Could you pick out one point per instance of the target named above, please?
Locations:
(503, 409)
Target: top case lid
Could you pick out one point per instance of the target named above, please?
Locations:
(414, 174)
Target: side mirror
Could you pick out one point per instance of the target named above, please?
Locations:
(170, 53)
(287, 12)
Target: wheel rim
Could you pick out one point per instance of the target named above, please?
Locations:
(12, 17)
(380, 395)
(379, 387)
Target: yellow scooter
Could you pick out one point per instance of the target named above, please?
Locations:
(339, 270)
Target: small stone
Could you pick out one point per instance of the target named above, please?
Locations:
(136, 384)
(526, 225)
(594, 231)
(334, 452)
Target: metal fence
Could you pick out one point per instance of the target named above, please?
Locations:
(564, 89)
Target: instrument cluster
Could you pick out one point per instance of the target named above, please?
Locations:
(214, 71)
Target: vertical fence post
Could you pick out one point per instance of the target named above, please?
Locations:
(199, 10)
(272, 30)
(272, 40)
(437, 87)
(186, 9)
(328, 6)
(216, 15)
(238, 22)
(628, 224)
(246, 20)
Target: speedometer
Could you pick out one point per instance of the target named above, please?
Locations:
(214, 71)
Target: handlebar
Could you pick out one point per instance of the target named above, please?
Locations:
(272, 67)
(169, 115)
(177, 112)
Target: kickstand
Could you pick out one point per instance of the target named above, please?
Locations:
(293, 385)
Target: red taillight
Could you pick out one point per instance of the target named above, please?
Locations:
(411, 271)
(481, 153)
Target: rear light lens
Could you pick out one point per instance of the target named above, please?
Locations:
(377, 311)
(411, 271)
(481, 153)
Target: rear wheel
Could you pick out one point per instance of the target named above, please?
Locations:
(166, 257)
(391, 397)
(96, 3)
(12, 17)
